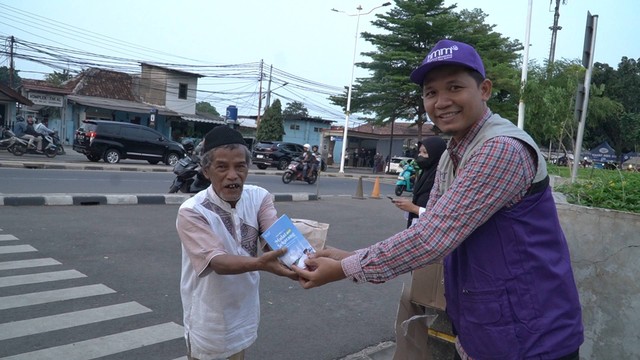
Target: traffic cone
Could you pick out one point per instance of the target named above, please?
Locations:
(375, 194)
(358, 194)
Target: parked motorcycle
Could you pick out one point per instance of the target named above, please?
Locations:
(295, 172)
(189, 179)
(7, 139)
(406, 179)
(21, 146)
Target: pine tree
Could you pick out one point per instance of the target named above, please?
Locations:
(272, 123)
(411, 28)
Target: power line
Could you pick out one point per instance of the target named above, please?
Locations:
(223, 75)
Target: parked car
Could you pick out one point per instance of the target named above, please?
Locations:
(394, 165)
(275, 153)
(113, 141)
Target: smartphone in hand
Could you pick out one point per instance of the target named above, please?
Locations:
(390, 198)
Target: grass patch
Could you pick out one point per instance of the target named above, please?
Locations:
(607, 189)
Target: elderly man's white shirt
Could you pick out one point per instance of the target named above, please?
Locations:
(222, 312)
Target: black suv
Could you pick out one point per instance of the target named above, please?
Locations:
(275, 153)
(113, 141)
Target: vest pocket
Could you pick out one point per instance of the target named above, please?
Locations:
(486, 326)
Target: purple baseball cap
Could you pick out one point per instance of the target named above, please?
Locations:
(448, 52)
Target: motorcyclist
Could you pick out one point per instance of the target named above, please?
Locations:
(42, 129)
(30, 130)
(404, 164)
(317, 157)
(307, 160)
(22, 130)
(198, 149)
(188, 146)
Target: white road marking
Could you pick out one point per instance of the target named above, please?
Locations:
(43, 297)
(106, 345)
(12, 249)
(16, 329)
(23, 264)
(40, 278)
(7, 237)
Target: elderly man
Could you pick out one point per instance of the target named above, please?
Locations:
(219, 229)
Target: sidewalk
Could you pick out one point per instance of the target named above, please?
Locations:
(75, 161)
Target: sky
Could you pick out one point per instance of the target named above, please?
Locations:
(305, 39)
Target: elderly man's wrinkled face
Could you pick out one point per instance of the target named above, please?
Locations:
(228, 172)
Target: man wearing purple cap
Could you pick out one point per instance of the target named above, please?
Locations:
(491, 216)
(219, 229)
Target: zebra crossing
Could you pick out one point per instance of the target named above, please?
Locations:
(19, 276)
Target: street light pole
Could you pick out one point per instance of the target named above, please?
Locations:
(353, 69)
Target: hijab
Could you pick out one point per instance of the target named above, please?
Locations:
(435, 146)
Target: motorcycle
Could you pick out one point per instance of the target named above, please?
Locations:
(406, 179)
(7, 139)
(21, 146)
(57, 143)
(189, 179)
(295, 172)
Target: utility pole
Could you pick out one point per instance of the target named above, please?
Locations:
(259, 96)
(588, 50)
(525, 66)
(269, 89)
(347, 112)
(388, 162)
(554, 29)
(11, 65)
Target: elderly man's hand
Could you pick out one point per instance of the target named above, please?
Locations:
(269, 262)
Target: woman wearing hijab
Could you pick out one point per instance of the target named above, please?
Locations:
(429, 153)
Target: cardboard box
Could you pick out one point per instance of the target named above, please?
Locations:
(427, 286)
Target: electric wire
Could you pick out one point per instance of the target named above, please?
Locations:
(234, 82)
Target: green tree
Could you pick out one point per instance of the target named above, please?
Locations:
(620, 127)
(550, 103)
(4, 77)
(58, 78)
(295, 109)
(621, 84)
(205, 107)
(606, 121)
(271, 125)
(549, 99)
(411, 29)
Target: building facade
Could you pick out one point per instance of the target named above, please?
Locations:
(364, 141)
(158, 97)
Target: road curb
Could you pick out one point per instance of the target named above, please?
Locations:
(120, 199)
(382, 351)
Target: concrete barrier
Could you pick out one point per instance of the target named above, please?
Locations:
(605, 252)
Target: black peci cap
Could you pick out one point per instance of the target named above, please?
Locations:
(222, 135)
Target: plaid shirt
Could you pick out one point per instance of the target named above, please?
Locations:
(498, 175)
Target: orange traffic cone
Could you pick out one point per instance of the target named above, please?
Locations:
(358, 194)
(375, 194)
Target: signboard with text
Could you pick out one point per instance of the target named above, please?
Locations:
(45, 99)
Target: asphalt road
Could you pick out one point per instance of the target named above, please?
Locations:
(134, 252)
